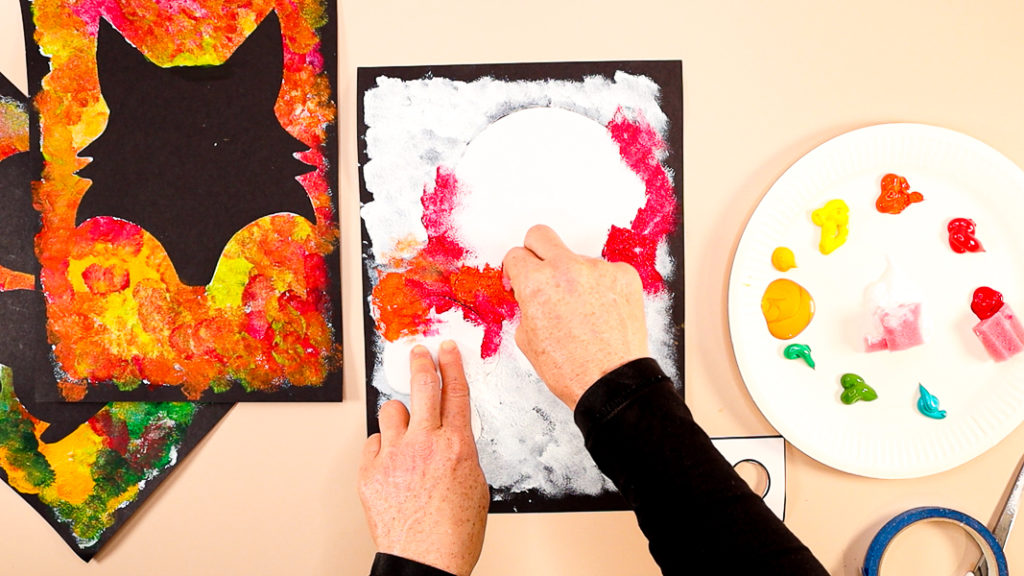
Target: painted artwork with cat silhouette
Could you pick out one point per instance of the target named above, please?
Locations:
(188, 239)
(85, 467)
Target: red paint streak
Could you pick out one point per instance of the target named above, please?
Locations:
(110, 230)
(7, 149)
(961, 236)
(442, 246)
(115, 434)
(639, 145)
(986, 302)
(408, 297)
(895, 197)
(437, 281)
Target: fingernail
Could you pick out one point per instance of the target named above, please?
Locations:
(448, 345)
(420, 349)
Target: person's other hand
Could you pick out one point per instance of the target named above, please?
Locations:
(420, 481)
(581, 317)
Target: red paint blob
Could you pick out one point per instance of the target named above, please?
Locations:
(895, 196)
(961, 236)
(115, 434)
(986, 302)
(100, 279)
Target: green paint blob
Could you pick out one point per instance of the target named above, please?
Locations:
(855, 388)
(799, 351)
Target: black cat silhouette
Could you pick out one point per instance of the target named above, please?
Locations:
(193, 154)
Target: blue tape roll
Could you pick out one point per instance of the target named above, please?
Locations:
(993, 551)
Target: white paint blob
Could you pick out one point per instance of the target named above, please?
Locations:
(543, 166)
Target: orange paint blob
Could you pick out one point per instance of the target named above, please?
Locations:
(787, 307)
(783, 259)
(895, 195)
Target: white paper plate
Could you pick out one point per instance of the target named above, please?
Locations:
(888, 438)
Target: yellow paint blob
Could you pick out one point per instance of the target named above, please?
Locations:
(834, 219)
(783, 259)
(71, 459)
(787, 308)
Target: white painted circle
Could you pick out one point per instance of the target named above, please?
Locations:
(543, 166)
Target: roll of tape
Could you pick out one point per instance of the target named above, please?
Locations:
(993, 552)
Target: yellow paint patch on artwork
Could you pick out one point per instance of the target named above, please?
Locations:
(229, 282)
(71, 459)
(125, 333)
(92, 123)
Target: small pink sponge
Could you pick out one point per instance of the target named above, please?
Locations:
(1001, 333)
(900, 328)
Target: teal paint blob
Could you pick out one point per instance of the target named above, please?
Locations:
(928, 404)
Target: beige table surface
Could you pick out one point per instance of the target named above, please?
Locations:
(272, 490)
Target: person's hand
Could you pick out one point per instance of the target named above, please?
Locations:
(581, 317)
(420, 481)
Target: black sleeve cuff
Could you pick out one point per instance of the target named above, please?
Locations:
(389, 565)
(614, 390)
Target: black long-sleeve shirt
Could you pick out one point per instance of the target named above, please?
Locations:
(698, 515)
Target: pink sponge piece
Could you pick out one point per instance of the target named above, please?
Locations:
(1002, 334)
(900, 328)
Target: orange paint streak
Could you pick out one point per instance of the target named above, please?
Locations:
(11, 280)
